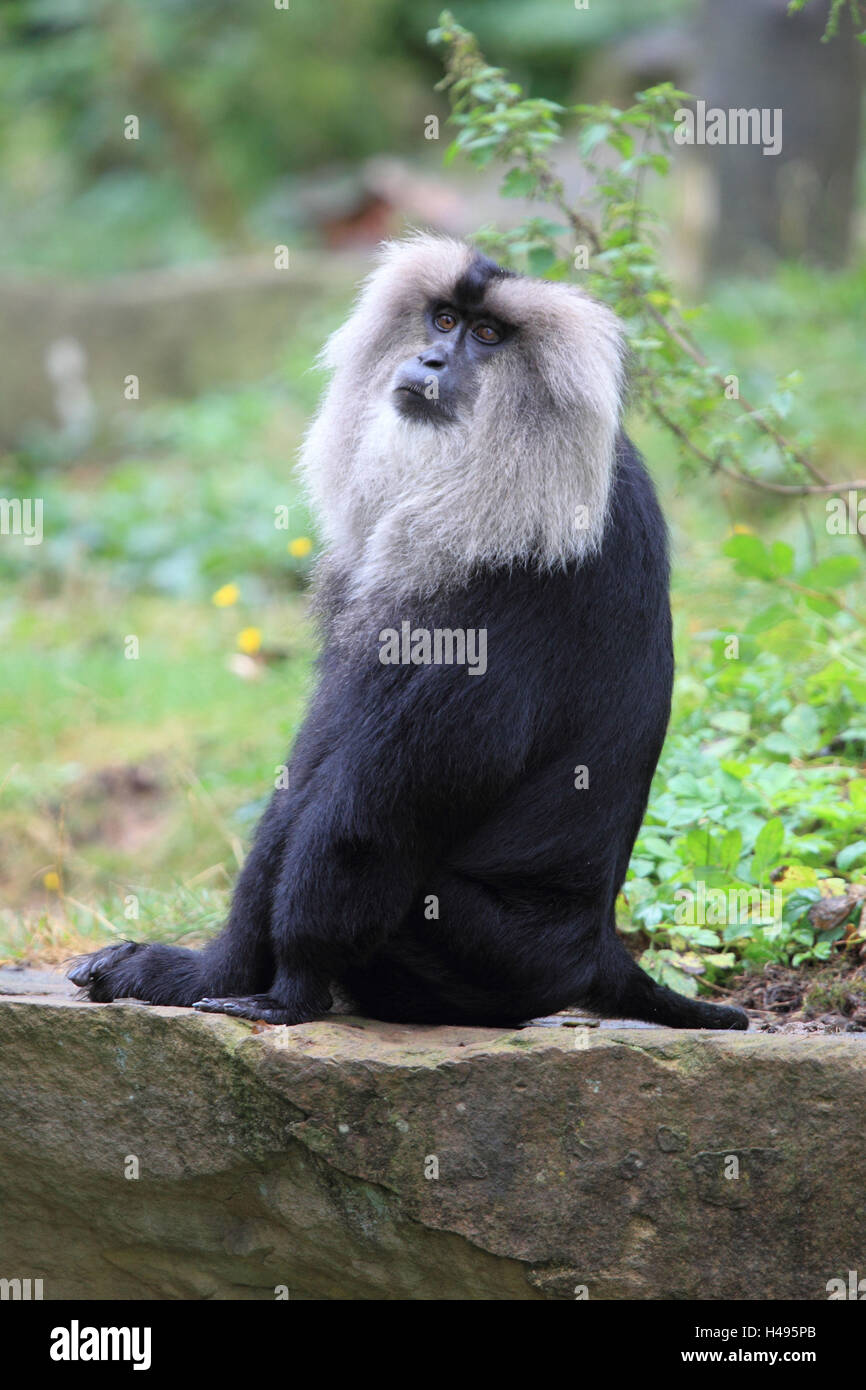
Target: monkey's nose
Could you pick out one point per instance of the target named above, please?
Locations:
(434, 358)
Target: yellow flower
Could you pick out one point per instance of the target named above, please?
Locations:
(226, 596)
(300, 546)
(250, 640)
(740, 530)
(51, 881)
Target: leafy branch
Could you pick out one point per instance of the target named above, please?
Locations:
(837, 9)
(617, 258)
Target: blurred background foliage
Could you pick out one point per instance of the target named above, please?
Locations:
(236, 113)
(129, 789)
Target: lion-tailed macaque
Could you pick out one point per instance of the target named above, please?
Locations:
(494, 682)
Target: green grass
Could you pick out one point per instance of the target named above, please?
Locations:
(75, 713)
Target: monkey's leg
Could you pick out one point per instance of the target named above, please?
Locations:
(331, 904)
(239, 960)
(281, 989)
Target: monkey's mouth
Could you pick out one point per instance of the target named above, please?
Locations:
(411, 403)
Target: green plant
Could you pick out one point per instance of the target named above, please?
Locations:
(759, 786)
(837, 9)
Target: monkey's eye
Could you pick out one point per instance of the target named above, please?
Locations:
(486, 333)
(445, 321)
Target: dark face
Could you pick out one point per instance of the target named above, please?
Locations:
(443, 379)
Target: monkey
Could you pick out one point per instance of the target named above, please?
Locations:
(454, 834)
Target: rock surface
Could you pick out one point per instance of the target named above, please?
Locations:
(306, 1158)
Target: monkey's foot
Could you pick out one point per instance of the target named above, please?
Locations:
(262, 1007)
(139, 970)
(106, 973)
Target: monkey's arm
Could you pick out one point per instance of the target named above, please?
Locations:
(417, 756)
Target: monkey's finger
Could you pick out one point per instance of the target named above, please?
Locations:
(258, 1007)
(86, 969)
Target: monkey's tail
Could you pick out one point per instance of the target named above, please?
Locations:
(624, 990)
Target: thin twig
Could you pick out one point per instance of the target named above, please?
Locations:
(791, 489)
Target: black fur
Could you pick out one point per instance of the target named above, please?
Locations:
(469, 289)
(420, 781)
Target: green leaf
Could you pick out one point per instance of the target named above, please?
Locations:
(827, 607)
(832, 573)
(731, 849)
(518, 183)
(698, 936)
(545, 227)
(770, 617)
(797, 905)
(652, 844)
(768, 847)
(750, 555)
(803, 727)
(677, 980)
(733, 721)
(851, 855)
(593, 135)
(722, 960)
(622, 143)
(649, 916)
(660, 965)
(642, 867)
(540, 259)
(697, 847)
(689, 962)
(783, 557)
